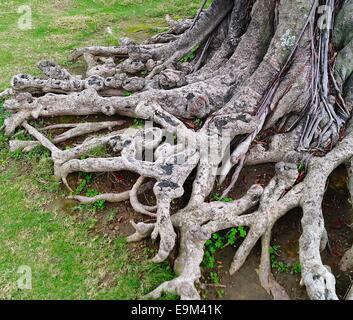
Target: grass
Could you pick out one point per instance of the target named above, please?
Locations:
(67, 259)
(58, 27)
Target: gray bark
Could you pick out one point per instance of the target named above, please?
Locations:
(260, 65)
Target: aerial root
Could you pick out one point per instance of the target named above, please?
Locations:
(119, 52)
(167, 188)
(346, 262)
(281, 195)
(203, 27)
(187, 102)
(66, 161)
(271, 207)
(259, 101)
(349, 295)
(281, 148)
(195, 231)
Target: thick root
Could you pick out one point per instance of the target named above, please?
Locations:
(260, 66)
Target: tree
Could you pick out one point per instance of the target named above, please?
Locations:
(243, 68)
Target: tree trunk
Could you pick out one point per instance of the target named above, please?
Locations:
(245, 68)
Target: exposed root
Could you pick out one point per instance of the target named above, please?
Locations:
(52, 70)
(109, 197)
(135, 202)
(195, 230)
(121, 197)
(265, 87)
(80, 129)
(24, 146)
(266, 277)
(6, 93)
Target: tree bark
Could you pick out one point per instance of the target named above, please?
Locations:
(258, 65)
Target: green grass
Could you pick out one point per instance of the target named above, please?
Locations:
(60, 26)
(68, 260)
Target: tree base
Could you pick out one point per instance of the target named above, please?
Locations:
(262, 77)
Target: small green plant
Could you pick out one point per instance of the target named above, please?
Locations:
(211, 247)
(297, 268)
(198, 122)
(38, 152)
(274, 250)
(215, 277)
(281, 266)
(23, 136)
(144, 72)
(86, 179)
(218, 197)
(99, 152)
(220, 293)
(275, 264)
(301, 167)
(242, 232)
(16, 154)
(219, 241)
(127, 93)
(189, 56)
(82, 185)
(232, 236)
(137, 123)
(99, 204)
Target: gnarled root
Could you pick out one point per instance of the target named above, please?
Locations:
(264, 88)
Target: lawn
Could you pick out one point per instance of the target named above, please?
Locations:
(67, 260)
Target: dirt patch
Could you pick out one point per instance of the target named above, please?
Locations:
(244, 285)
